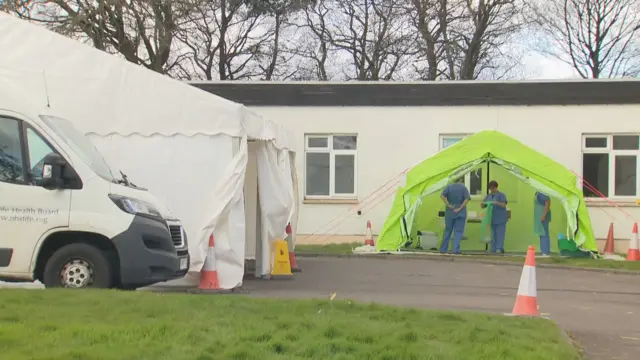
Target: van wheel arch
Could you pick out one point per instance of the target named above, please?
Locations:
(57, 240)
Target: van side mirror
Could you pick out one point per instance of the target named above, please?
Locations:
(53, 165)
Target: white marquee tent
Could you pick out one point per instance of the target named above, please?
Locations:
(188, 147)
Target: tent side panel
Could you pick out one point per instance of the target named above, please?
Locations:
(390, 237)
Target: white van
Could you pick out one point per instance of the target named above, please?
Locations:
(68, 221)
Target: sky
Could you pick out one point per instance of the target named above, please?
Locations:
(544, 68)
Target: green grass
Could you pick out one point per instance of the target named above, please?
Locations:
(334, 249)
(343, 249)
(86, 325)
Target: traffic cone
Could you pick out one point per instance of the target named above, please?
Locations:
(368, 237)
(292, 255)
(526, 300)
(209, 281)
(633, 254)
(608, 245)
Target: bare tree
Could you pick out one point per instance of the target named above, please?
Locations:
(598, 38)
(223, 38)
(310, 42)
(374, 35)
(142, 31)
(466, 39)
(273, 61)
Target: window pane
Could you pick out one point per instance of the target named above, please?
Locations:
(345, 142)
(38, 149)
(345, 174)
(475, 182)
(626, 177)
(446, 142)
(318, 174)
(318, 142)
(595, 142)
(11, 169)
(626, 142)
(595, 171)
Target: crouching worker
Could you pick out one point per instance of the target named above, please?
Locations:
(455, 196)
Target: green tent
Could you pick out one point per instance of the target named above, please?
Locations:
(520, 171)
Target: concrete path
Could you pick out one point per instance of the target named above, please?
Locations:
(602, 311)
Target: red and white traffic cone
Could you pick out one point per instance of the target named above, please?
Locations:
(527, 298)
(368, 237)
(209, 281)
(633, 254)
(609, 248)
(292, 254)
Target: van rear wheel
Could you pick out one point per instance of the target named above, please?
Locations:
(78, 266)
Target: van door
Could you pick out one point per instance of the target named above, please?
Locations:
(27, 210)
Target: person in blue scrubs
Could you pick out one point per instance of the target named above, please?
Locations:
(499, 216)
(455, 196)
(545, 240)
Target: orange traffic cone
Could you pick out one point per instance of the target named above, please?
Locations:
(526, 300)
(292, 255)
(609, 245)
(633, 254)
(209, 281)
(368, 237)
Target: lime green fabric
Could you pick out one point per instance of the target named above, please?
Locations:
(538, 228)
(485, 225)
(499, 150)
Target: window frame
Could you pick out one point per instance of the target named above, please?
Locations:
(332, 153)
(467, 177)
(611, 172)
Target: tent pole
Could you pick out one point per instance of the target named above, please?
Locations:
(486, 246)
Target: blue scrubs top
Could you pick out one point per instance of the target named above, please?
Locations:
(456, 194)
(542, 199)
(499, 215)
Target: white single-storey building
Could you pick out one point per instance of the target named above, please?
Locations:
(355, 140)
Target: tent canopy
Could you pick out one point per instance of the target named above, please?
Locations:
(116, 96)
(521, 161)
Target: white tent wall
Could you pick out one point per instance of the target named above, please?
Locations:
(251, 202)
(176, 169)
(132, 108)
(296, 201)
(275, 192)
(261, 178)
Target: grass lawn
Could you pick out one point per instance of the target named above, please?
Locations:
(63, 324)
(338, 249)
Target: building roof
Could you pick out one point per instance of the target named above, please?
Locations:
(434, 93)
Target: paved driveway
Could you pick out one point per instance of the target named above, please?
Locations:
(601, 310)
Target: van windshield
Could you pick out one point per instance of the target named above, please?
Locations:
(80, 144)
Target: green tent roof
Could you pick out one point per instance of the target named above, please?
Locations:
(539, 171)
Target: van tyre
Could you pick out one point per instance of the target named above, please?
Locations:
(78, 266)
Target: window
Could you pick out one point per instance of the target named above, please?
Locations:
(610, 165)
(472, 180)
(330, 166)
(38, 149)
(11, 162)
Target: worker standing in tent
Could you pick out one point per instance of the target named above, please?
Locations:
(499, 216)
(542, 211)
(455, 196)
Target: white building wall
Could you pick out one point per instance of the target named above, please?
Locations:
(391, 139)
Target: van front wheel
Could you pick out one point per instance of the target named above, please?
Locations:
(78, 266)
